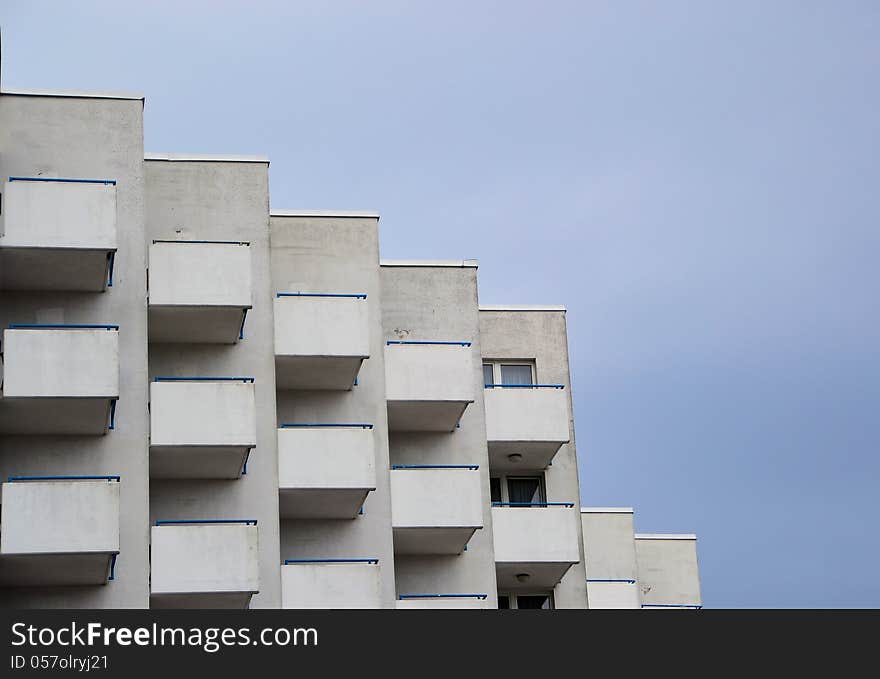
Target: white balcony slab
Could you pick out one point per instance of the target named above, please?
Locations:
(321, 339)
(669, 576)
(199, 291)
(204, 565)
(59, 379)
(57, 235)
(325, 471)
(436, 603)
(534, 546)
(525, 426)
(202, 428)
(331, 584)
(428, 384)
(63, 531)
(613, 594)
(435, 510)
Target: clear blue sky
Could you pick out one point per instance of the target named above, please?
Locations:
(698, 182)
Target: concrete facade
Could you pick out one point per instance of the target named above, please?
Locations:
(208, 403)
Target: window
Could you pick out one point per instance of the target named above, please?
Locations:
(533, 601)
(495, 489)
(503, 602)
(516, 374)
(525, 489)
(488, 374)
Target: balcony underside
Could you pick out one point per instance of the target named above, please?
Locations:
(47, 416)
(317, 372)
(73, 269)
(321, 503)
(54, 570)
(197, 462)
(431, 540)
(197, 600)
(533, 454)
(543, 575)
(195, 324)
(425, 415)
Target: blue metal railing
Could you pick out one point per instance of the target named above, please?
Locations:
(524, 386)
(61, 326)
(441, 596)
(533, 504)
(290, 562)
(112, 424)
(63, 180)
(472, 467)
(460, 344)
(202, 379)
(186, 522)
(247, 456)
(322, 425)
(354, 295)
(203, 242)
(696, 606)
(111, 262)
(241, 328)
(109, 479)
(627, 580)
(113, 566)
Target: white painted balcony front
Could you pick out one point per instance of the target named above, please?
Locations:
(57, 234)
(525, 424)
(201, 427)
(325, 471)
(439, 602)
(59, 530)
(612, 594)
(330, 584)
(59, 379)
(669, 576)
(204, 564)
(535, 544)
(321, 339)
(435, 509)
(428, 384)
(199, 291)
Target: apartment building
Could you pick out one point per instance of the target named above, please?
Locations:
(209, 403)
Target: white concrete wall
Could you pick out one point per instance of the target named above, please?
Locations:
(440, 604)
(43, 517)
(203, 558)
(334, 457)
(613, 595)
(535, 535)
(527, 415)
(542, 336)
(331, 585)
(200, 274)
(59, 214)
(203, 414)
(322, 326)
(53, 363)
(668, 569)
(436, 498)
(429, 372)
(99, 138)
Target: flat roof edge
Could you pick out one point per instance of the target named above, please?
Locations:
(74, 94)
(205, 157)
(449, 263)
(665, 536)
(523, 307)
(606, 510)
(353, 214)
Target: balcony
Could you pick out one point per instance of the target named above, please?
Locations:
(59, 530)
(428, 384)
(204, 564)
(612, 593)
(437, 602)
(59, 379)
(325, 471)
(525, 424)
(330, 584)
(57, 234)
(435, 509)
(669, 576)
(199, 291)
(201, 427)
(535, 544)
(321, 339)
